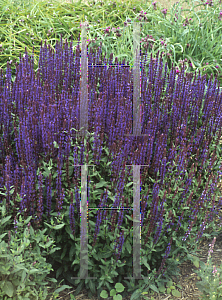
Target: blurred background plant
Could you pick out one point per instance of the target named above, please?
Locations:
(210, 285)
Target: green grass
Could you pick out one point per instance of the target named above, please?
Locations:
(25, 24)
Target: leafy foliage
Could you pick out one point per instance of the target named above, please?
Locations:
(23, 266)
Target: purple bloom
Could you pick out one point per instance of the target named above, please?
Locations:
(119, 242)
(52, 111)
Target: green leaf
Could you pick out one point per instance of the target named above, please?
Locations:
(32, 271)
(62, 288)
(71, 252)
(135, 295)
(104, 159)
(71, 170)
(46, 173)
(2, 235)
(72, 236)
(117, 297)
(23, 275)
(154, 288)
(162, 289)
(8, 289)
(129, 248)
(176, 293)
(101, 183)
(169, 283)
(64, 251)
(112, 292)
(52, 280)
(58, 272)
(168, 291)
(106, 253)
(48, 244)
(195, 260)
(196, 263)
(103, 261)
(106, 150)
(92, 286)
(76, 261)
(58, 226)
(79, 287)
(97, 192)
(55, 144)
(5, 220)
(65, 184)
(144, 261)
(119, 287)
(104, 294)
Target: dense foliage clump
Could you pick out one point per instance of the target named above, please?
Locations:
(177, 129)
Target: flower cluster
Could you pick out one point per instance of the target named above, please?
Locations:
(119, 242)
(49, 109)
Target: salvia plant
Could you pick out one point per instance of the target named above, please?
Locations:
(23, 267)
(107, 128)
(41, 153)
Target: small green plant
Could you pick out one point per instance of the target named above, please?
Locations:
(168, 288)
(210, 286)
(118, 288)
(22, 265)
